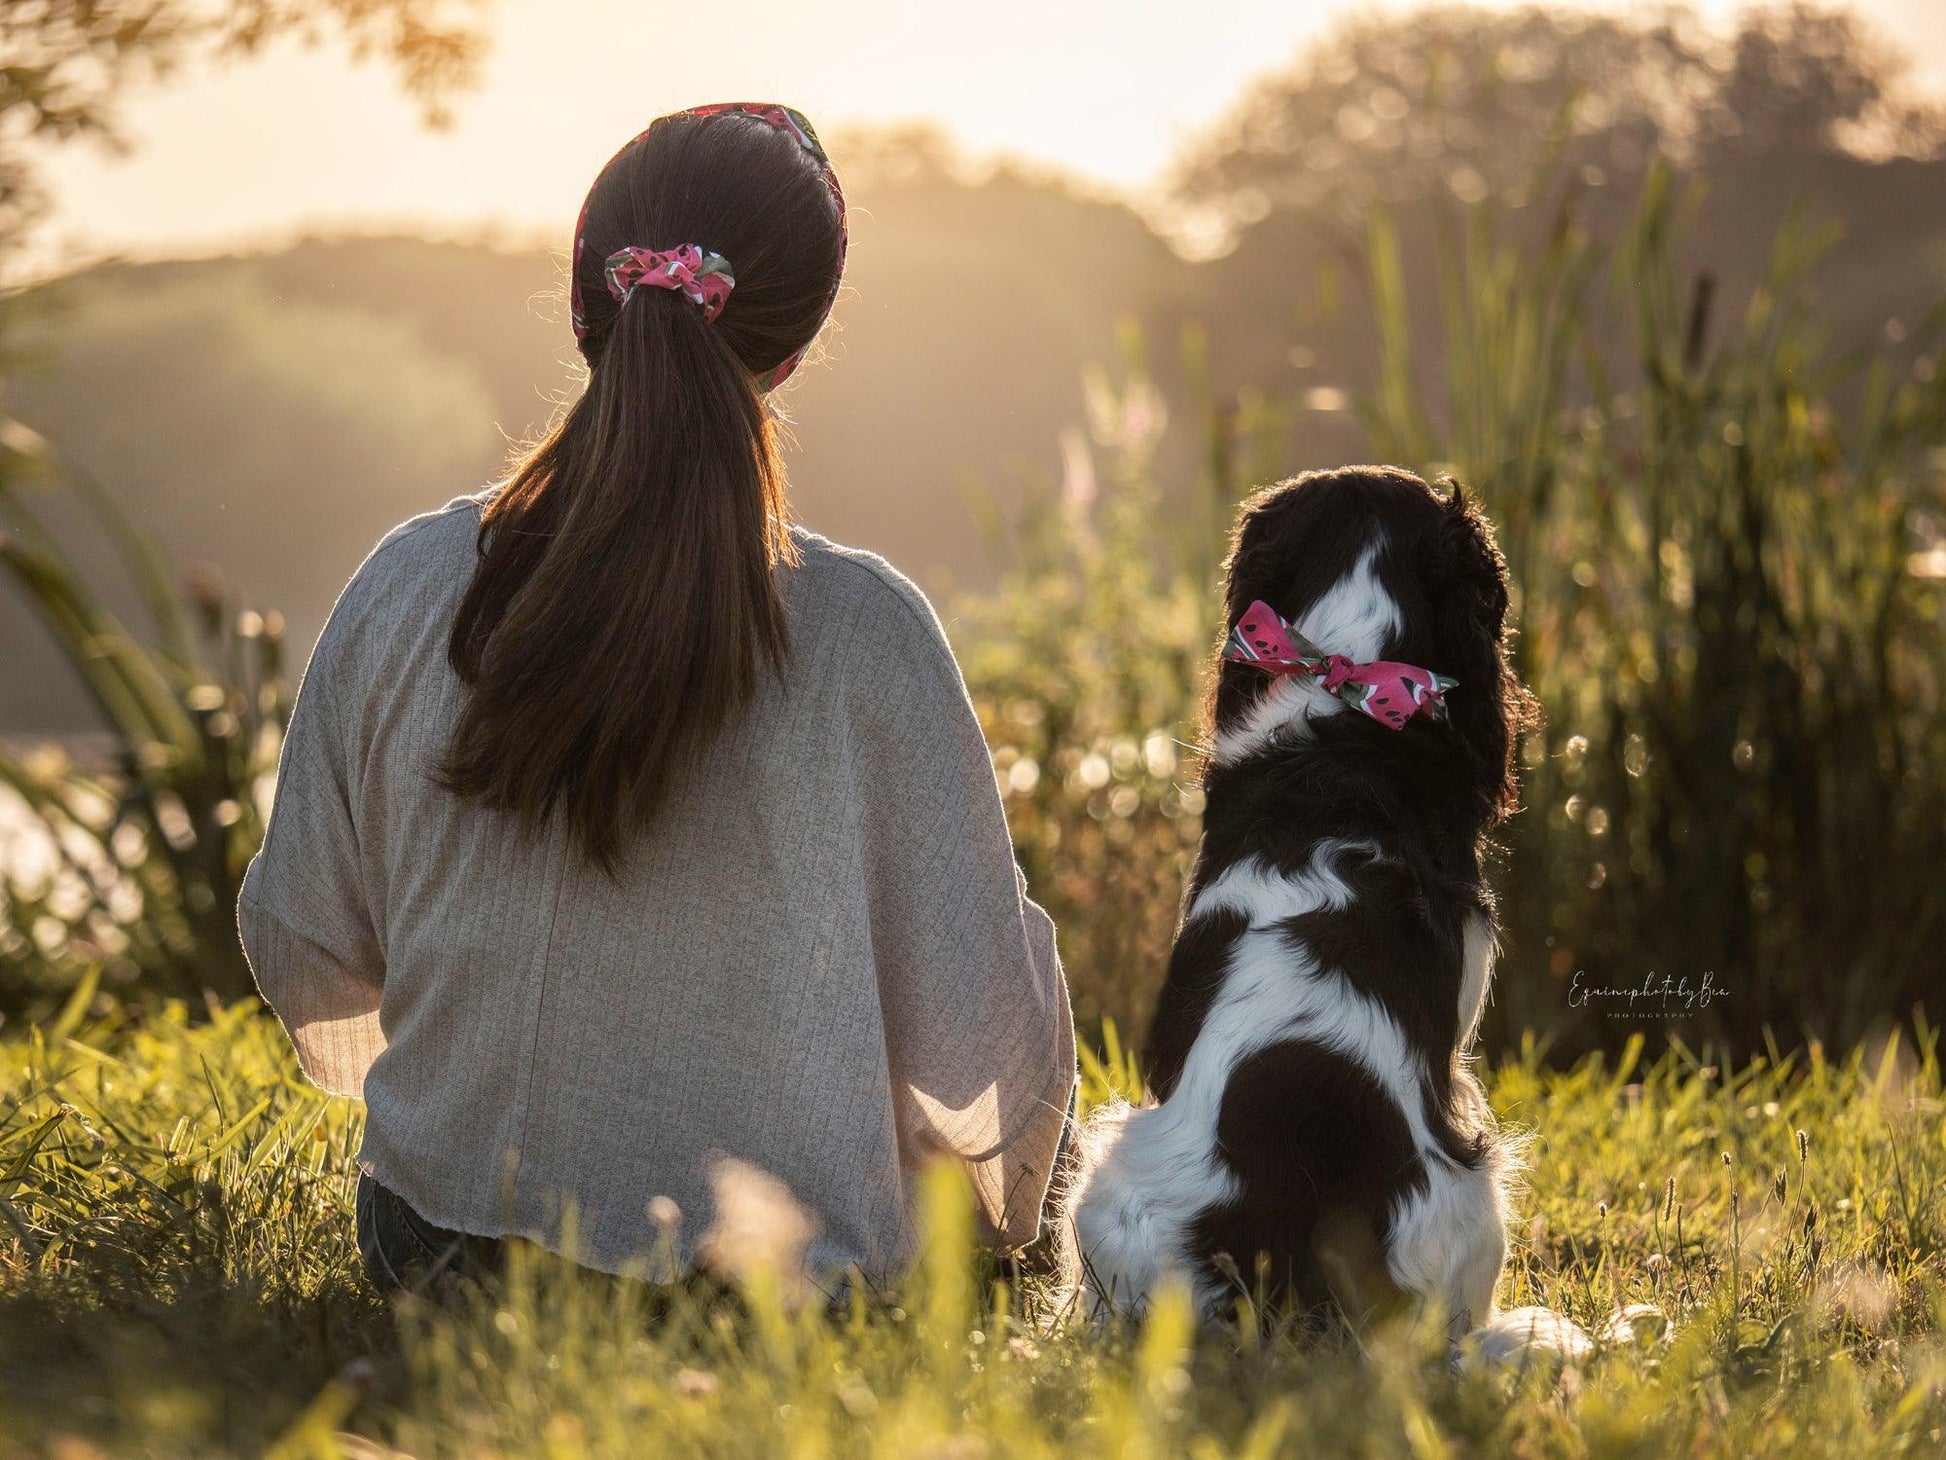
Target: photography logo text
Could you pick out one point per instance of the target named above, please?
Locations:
(1657, 996)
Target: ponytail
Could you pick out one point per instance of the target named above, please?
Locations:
(625, 599)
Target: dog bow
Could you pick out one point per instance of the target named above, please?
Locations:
(1390, 693)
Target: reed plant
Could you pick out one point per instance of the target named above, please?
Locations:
(1721, 533)
(120, 870)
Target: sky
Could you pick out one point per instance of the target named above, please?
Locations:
(254, 152)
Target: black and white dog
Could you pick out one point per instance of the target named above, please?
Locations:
(1315, 1136)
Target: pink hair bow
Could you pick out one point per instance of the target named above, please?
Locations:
(703, 276)
(1390, 693)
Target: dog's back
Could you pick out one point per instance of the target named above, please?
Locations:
(1314, 1138)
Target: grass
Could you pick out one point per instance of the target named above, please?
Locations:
(178, 1277)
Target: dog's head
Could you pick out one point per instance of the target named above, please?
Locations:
(1372, 563)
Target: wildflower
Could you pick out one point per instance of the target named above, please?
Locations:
(695, 1383)
(759, 1226)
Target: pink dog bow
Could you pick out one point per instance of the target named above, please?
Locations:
(1390, 693)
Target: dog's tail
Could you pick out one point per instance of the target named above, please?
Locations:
(1521, 1337)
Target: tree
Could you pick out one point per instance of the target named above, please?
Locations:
(1477, 103)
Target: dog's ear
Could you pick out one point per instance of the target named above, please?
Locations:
(1466, 585)
(1263, 546)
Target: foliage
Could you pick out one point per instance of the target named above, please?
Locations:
(1078, 665)
(131, 870)
(1724, 614)
(1728, 598)
(1086, 664)
(1458, 101)
(177, 1277)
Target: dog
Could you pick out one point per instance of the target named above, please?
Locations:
(1314, 1137)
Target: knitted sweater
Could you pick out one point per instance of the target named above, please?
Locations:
(819, 959)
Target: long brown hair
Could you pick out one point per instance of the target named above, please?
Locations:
(625, 599)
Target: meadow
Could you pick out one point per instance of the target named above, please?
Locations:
(181, 1280)
(1728, 540)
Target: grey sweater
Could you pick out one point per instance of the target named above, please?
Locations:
(820, 960)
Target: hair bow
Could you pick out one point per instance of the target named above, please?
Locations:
(1390, 693)
(700, 274)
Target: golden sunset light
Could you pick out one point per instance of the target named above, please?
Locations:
(263, 149)
(1079, 730)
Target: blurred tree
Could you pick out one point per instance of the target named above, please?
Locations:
(1808, 80)
(1479, 103)
(65, 63)
(906, 155)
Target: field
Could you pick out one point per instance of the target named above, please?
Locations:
(1724, 511)
(178, 1277)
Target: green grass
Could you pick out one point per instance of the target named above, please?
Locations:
(178, 1276)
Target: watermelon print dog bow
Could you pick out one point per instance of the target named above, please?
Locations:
(703, 276)
(1390, 693)
(792, 123)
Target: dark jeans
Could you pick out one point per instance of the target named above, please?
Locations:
(405, 1253)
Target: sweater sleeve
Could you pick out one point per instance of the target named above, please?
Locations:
(303, 917)
(978, 1028)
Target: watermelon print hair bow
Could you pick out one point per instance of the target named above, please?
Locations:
(792, 123)
(1390, 693)
(704, 277)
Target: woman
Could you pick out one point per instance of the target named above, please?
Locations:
(623, 827)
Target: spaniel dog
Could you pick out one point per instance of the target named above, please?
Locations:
(1314, 1136)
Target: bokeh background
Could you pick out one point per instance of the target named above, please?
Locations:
(1663, 287)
